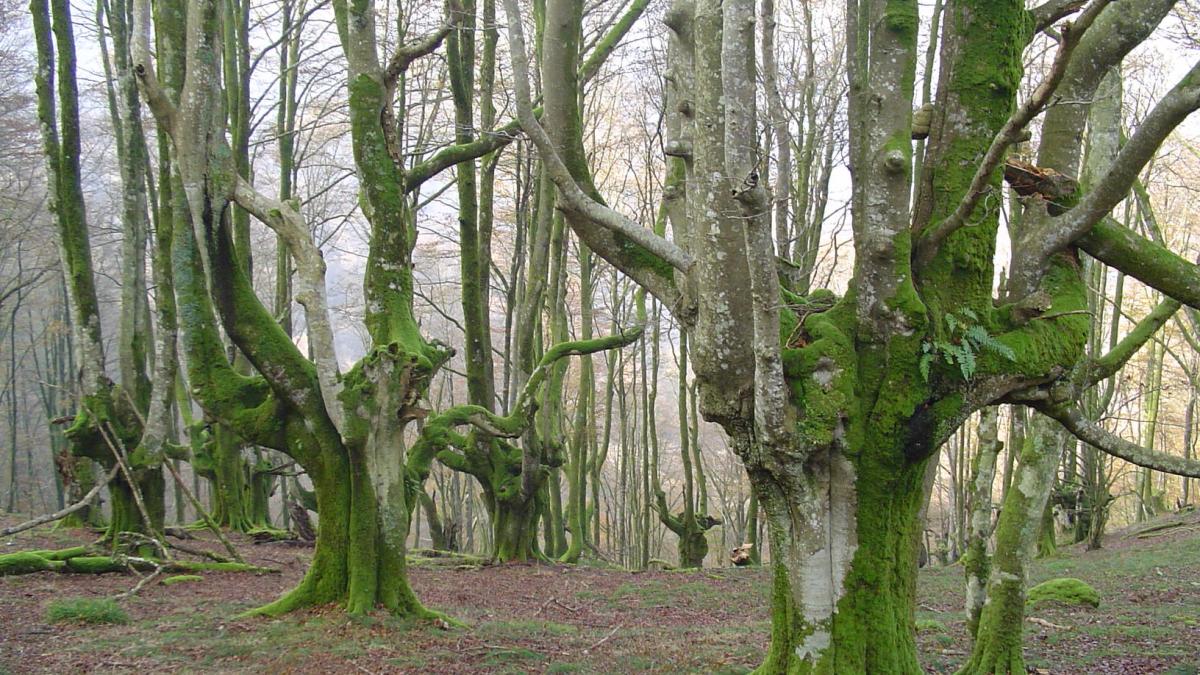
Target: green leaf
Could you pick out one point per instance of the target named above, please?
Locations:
(966, 363)
(951, 322)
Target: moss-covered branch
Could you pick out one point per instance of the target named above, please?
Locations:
(1107, 365)
(1156, 266)
(438, 432)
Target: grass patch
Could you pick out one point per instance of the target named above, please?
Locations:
(518, 629)
(86, 610)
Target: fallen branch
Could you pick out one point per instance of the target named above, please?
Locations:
(1046, 624)
(140, 584)
(63, 513)
(1158, 526)
(606, 638)
(76, 560)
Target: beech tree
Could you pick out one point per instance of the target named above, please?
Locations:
(836, 404)
(347, 430)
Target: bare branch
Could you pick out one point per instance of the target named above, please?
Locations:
(63, 513)
(572, 195)
(1088, 432)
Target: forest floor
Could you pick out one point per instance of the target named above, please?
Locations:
(559, 619)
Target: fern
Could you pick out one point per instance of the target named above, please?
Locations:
(967, 339)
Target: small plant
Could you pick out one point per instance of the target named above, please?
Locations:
(931, 626)
(86, 610)
(966, 339)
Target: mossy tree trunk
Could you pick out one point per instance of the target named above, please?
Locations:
(976, 561)
(692, 523)
(998, 638)
(837, 404)
(114, 424)
(347, 432)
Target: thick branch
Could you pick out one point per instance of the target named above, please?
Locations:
(489, 141)
(414, 50)
(1154, 265)
(1050, 11)
(1009, 134)
(574, 199)
(143, 66)
(1088, 432)
(437, 434)
(310, 293)
(607, 44)
(1180, 102)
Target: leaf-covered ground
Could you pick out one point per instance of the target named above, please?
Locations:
(558, 619)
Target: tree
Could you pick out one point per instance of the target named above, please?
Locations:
(121, 426)
(347, 430)
(836, 409)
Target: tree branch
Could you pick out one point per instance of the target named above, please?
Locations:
(414, 50)
(143, 66)
(1009, 134)
(1180, 102)
(611, 40)
(489, 141)
(1107, 365)
(574, 198)
(1087, 431)
(438, 432)
(63, 513)
(310, 293)
(1156, 266)
(1053, 10)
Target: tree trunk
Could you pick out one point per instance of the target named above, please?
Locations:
(514, 530)
(976, 562)
(357, 560)
(998, 640)
(843, 548)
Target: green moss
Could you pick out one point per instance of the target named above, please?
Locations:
(25, 563)
(94, 565)
(985, 77)
(181, 579)
(62, 554)
(902, 17)
(86, 610)
(1065, 590)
